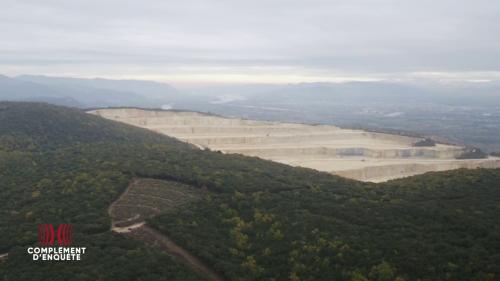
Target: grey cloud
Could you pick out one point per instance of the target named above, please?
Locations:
(370, 37)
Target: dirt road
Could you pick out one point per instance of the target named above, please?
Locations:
(158, 240)
(135, 227)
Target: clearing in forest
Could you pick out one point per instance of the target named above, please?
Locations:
(145, 198)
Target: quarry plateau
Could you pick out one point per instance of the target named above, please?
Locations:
(355, 154)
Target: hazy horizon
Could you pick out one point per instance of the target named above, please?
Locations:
(237, 42)
(201, 85)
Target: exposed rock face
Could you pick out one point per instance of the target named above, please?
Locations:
(354, 154)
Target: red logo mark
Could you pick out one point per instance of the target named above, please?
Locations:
(46, 234)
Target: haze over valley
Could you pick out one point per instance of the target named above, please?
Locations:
(467, 114)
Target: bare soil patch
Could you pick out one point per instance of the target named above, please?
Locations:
(145, 198)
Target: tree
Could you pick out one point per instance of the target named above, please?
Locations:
(382, 272)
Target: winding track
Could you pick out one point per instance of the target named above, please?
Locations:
(138, 229)
(158, 240)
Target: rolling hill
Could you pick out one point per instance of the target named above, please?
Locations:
(253, 219)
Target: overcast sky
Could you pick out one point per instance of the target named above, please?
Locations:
(270, 41)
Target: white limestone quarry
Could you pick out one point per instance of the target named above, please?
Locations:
(356, 154)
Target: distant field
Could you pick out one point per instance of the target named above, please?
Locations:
(357, 154)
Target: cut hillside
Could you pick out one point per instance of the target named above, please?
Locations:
(257, 220)
(356, 154)
(61, 165)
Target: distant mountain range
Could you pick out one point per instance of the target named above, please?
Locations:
(465, 113)
(87, 92)
(100, 92)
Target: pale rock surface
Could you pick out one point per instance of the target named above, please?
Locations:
(356, 154)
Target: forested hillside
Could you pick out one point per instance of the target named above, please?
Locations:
(260, 220)
(442, 226)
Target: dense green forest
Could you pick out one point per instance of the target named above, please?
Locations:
(444, 226)
(260, 221)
